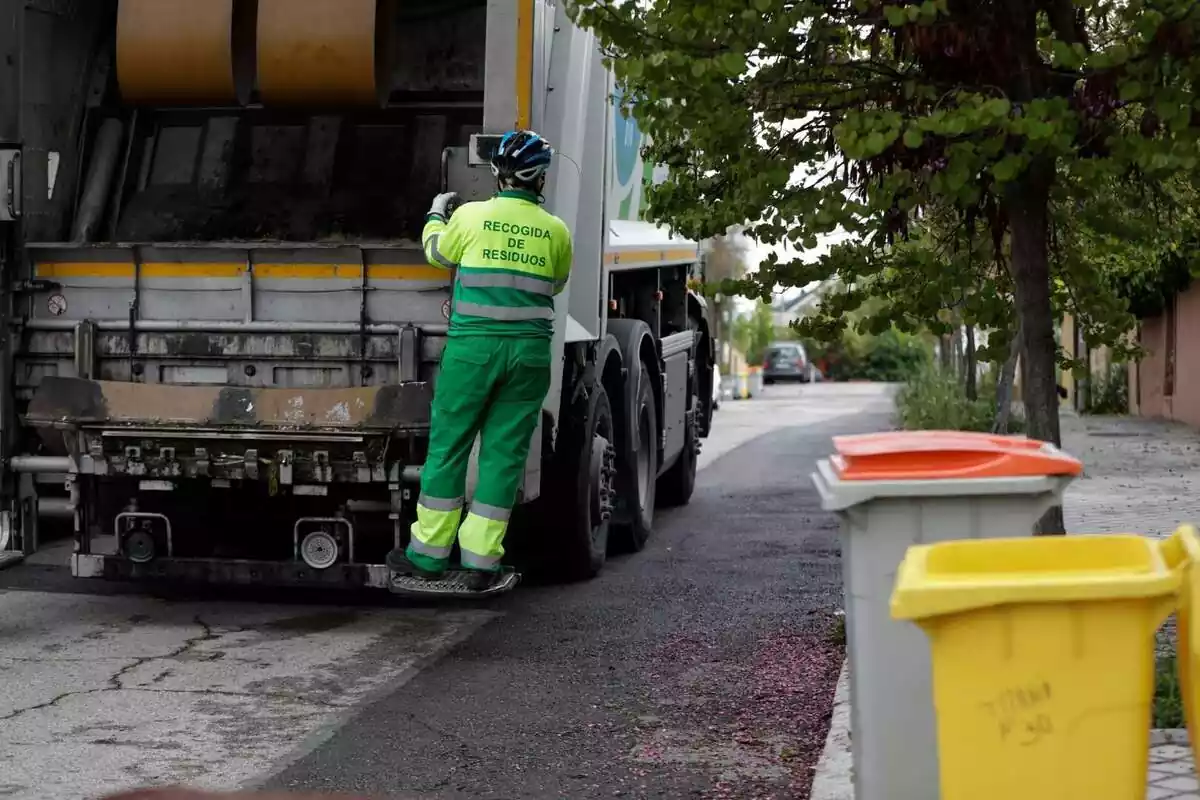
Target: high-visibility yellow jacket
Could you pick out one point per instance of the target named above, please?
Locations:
(512, 258)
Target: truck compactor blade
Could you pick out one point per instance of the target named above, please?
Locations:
(76, 402)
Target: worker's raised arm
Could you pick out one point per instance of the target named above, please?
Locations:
(443, 240)
(564, 253)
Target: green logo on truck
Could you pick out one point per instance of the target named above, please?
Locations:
(630, 173)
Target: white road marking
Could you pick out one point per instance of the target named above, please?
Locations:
(781, 406)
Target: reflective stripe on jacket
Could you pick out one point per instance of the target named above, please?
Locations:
(512, 258)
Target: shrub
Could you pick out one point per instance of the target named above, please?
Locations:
(890, 356)
(1168, 698)
(937, 400)
(1110, 393)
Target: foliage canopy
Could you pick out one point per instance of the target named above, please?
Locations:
(991, 121)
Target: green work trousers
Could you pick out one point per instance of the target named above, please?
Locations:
(492, 387)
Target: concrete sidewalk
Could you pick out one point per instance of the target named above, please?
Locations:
(1140, 476)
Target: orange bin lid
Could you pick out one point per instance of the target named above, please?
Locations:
(943, 455)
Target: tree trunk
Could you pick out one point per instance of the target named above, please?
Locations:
(1028, 203)
(972, 390)
(956, 350)
(1004, 387)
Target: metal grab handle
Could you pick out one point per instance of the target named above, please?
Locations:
(14, 186)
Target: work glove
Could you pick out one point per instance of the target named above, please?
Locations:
(444, 205)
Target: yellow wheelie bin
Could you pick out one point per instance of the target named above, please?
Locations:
(1184, 545)
(1043, 659)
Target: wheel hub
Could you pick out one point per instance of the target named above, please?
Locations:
(319, 550)
(603, 473)
(139, 547)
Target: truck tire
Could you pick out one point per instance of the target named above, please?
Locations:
(587, 466)
(637, 471)
(676, 485)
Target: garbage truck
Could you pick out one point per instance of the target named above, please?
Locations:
(221, 333)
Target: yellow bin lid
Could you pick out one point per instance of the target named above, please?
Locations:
(958, 576)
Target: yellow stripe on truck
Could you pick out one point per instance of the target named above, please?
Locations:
(83, 270)
(308, 271)
(524, 66)
(650, 256)
(406, 272)
(383, 272)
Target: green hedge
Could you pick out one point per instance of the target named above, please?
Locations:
(937, 400)
(891, 356)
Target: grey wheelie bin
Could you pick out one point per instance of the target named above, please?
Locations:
(897, 489)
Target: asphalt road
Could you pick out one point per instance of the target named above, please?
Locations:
(702, 666)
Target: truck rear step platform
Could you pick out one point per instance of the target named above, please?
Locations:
(453, 584)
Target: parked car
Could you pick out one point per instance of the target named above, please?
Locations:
(716, 388)
(786, 361)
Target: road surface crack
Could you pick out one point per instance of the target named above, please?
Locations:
(291, 698)
(116, 682)
(48, 704)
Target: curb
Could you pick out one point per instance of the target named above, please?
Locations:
(834, 775)
(1160, 736)
(833, 778)
(10, 558)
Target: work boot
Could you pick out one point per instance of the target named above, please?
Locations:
(397, 561)
(478, 580)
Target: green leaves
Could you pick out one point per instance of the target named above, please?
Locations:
(997, 108)
(1008, 168)
(1067, 55)
(897, 16)
(733, 62)
(912, 138)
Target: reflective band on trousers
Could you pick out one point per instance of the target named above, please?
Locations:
(494, 513)
(505, 280)
(503, 313)
(433, 551)
(440, 503)
(437, 254)
(475, 561)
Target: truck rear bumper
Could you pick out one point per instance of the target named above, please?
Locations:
(231, 572)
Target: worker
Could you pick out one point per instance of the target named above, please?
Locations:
(512, 258)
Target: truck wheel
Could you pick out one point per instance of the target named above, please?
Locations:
(676, 485)
(637, 473)
(588, 469)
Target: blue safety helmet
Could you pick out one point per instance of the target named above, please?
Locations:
(521, 157)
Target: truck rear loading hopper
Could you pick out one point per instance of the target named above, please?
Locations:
(226, 335)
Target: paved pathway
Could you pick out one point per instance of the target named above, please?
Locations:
(1172, 774)
(1140, 476)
